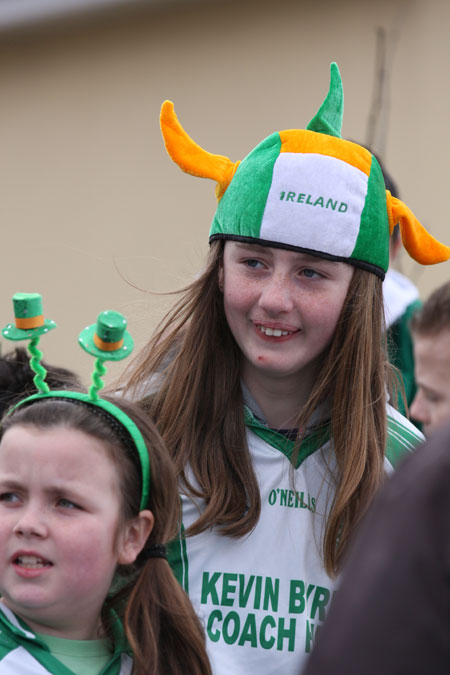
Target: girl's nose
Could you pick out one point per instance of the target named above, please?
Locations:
(418, 409)
(276, 295)
(31, 523)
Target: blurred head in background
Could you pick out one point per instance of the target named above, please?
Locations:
(431, 337)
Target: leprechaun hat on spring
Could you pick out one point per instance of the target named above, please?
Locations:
(30, 325)
(108, 338)
(29, 319)
(306, 190)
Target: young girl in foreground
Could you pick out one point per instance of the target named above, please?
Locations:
(71, 528)
(268, 384)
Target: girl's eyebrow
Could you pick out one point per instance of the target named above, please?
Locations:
(55, 488)
(9, 483)
(321, 261)
(257, 247)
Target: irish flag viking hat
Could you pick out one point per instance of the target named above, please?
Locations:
(306, 190)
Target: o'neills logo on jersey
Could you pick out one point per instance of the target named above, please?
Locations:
(292, 499)
(312, 200)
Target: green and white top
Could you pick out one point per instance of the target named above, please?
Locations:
(262, 598)
(401, 302)
(22, 652)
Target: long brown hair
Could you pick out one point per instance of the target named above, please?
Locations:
(160, 624)
(191, 371)
(355, 377)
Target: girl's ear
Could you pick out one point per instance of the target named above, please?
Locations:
(133, 536)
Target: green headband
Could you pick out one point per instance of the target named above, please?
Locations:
(107, 340)
(306, 190)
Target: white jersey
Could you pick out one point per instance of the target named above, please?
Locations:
(398, 294)
(262, 598)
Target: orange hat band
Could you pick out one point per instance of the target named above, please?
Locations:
(29, 322)
(107, 346)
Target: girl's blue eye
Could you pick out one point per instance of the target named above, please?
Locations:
(9, 497)
(253, 263)
(310, 274)
(67, 504)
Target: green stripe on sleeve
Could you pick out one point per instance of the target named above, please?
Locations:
(401, 440)
(178, 560)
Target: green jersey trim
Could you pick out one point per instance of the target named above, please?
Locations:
(309, 445)
(241, 209)
(401, 441)
(17, 635)
(400, 349)
(46, 659)
(7, 644)
(178, 559)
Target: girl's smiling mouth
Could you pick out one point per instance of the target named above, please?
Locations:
(274, 331)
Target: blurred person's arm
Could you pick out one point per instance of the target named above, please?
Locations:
(391, 614)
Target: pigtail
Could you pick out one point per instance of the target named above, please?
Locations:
(161, 626)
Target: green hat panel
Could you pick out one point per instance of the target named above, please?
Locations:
(372, 244)
(240, 211)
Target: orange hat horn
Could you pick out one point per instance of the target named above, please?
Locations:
(419, 243)
(189, 156)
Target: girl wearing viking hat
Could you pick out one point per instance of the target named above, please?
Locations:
(267, 381)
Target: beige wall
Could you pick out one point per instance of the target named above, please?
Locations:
(92, 209)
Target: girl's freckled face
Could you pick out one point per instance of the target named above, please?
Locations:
(281, 306)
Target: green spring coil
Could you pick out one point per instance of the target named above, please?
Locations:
(36, 366)
(97, 382)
